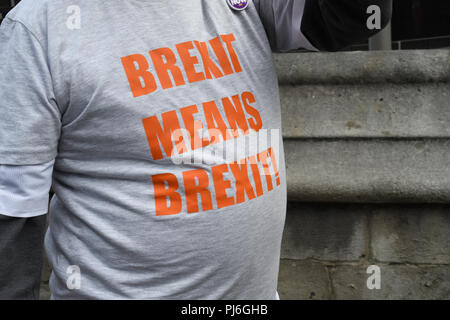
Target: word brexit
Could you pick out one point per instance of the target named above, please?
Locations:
(166, 64)
(222, 186)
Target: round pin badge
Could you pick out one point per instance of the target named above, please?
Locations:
(238, 4)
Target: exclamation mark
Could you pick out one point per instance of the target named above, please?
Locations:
(275, 167)
(256, 175)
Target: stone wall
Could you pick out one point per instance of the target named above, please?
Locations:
(327, 248)
(368, 159)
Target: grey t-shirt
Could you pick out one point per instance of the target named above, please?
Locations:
(104, 87)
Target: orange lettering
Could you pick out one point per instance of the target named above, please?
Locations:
(243, 184)
(256, 175)
(189, 62)
(208, 64)
(221, 54)
(162, 68)
(193, 126)
(163, 193)
(235, 115)
(256, 123)
(192, 189)
(155, 132)
(274, 165)
(228, 38)
(135, 75)
(263, 156)
(221, 185)
(212, 116)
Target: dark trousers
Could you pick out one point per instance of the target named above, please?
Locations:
(21, 249)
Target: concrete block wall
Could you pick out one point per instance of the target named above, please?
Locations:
(368, 159)
(327, 248)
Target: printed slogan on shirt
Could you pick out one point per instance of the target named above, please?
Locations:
(224, 119)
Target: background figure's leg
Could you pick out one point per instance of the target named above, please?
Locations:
(21, 250)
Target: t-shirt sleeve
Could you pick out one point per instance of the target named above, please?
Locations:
(24, 190)
(30, 120)
(318, 25)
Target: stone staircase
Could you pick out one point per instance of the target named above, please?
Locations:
(367, 141)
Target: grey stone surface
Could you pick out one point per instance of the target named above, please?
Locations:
(303, 280)
(328, 246)
(411, 233)
(367, 126)
(370, 111)
(368, 170)
(415, 66)
(325, 232)
(397, 282)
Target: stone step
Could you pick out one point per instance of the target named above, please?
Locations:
(371, 110)
(403, 66)
(368, 170)
(366, 126)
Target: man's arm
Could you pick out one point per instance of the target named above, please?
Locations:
(30, 128)
(21, 252)
(24, 196)
(324, 25)
(331, 25)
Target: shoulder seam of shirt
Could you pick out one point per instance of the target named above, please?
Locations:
(40, 44)
(28, 29)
